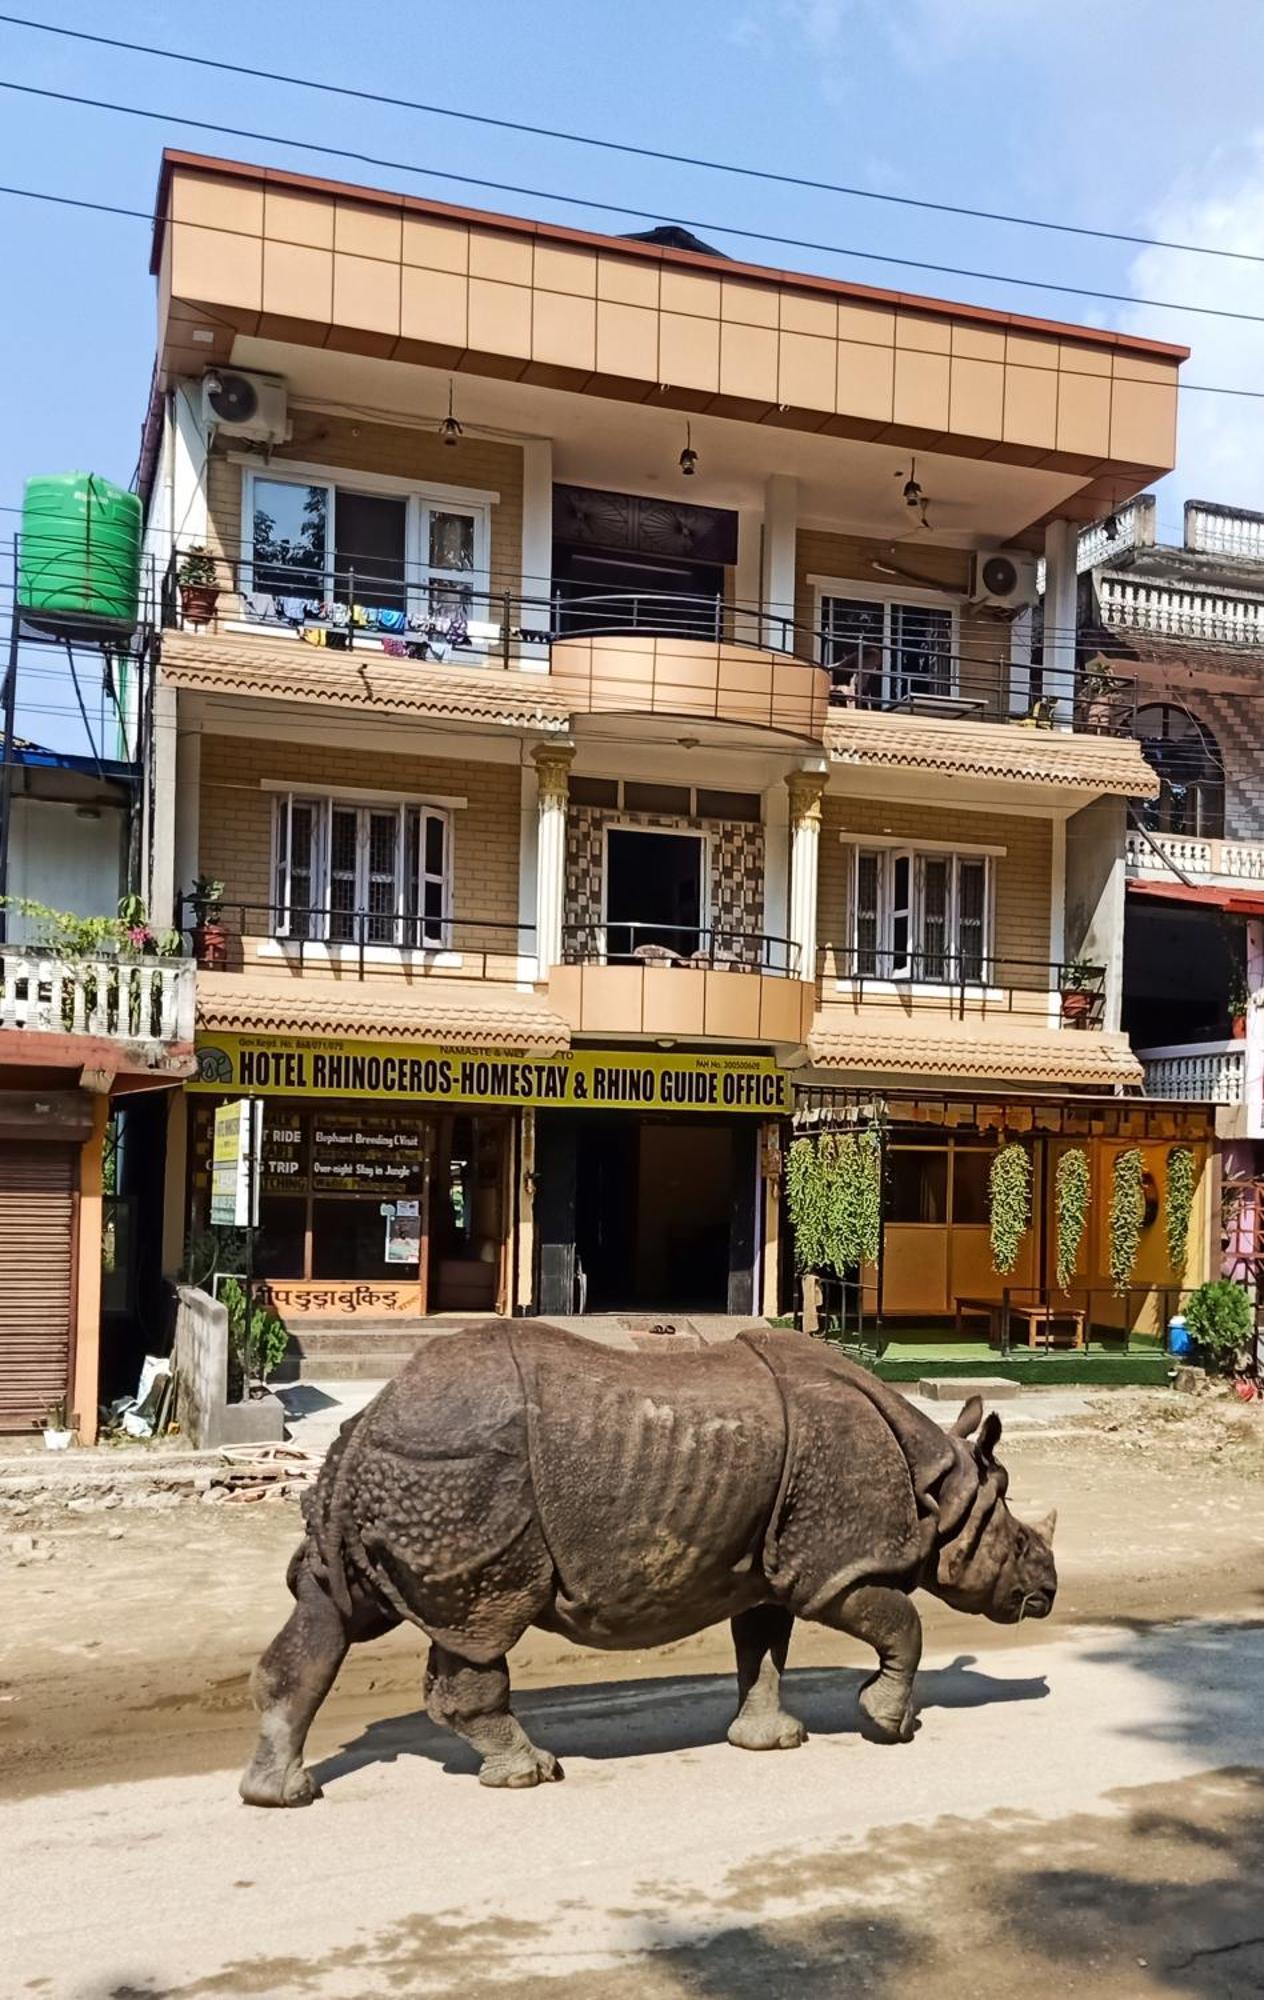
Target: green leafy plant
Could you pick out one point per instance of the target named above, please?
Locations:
(807, 1196)
(260, 1346)
(57, 1416)
(1071, 1194)
(1127, 1216)
(851, 1163)
(66, 935)
(206, 896)
(1178, 1204)
(197, 567)
(1009, 1201)
(1219, 1317)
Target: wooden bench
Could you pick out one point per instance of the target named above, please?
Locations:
(1057, 1326)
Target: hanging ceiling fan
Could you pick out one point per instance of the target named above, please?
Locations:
(918, 502)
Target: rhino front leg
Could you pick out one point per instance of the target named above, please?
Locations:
(886, 1620)
(761, 1638)
(472, 1700)
(289, 1685)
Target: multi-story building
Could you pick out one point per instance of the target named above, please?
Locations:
(613, 725)
(1188, 622)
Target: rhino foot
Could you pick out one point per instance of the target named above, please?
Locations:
(520, 1769)
(778, 1731)
(266, 1785)
(888, 1710)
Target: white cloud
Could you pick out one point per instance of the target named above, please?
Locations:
(1220, 440)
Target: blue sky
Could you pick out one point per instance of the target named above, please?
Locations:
(1144, 116)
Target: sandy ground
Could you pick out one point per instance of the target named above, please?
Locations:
(1082, 1810)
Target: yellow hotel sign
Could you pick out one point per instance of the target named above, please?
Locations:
(409, 1073)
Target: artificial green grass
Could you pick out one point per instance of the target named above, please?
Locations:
(1140, 1368)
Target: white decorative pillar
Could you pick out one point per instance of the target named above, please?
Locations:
(537, 551)
(187, 813)
(1062, 540)
(781, 513)
(806, 789)
(552, 763)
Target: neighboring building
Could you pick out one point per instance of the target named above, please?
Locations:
(1188, 621)
(613, 736)
(88, 1047)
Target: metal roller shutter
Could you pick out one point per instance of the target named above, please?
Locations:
(37, 1210)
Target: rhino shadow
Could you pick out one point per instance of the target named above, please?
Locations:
(645, 1718)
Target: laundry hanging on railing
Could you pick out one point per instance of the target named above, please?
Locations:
(331, 623)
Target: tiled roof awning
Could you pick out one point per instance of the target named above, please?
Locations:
(1004, 750)
(974, 1054)
(455, 1013)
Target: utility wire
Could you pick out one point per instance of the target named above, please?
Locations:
(622, 209)
(768, 174)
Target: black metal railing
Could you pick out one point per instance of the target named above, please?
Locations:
(418, 614)
(964, 976)
(704, 947)
(366, 940)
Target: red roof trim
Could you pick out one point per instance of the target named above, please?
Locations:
(1236, 901)
(691, 260)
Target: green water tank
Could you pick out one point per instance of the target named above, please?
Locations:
(79, 560)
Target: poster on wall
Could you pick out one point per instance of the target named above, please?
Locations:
(403, 1232)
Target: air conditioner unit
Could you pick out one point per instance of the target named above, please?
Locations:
(245, 406)
(1005, 578)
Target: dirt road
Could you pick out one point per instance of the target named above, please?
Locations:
(1082, 1810)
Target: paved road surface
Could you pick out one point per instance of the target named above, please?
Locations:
(1086, 1816)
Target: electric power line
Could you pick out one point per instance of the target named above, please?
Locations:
(621, 208)
(768, 174)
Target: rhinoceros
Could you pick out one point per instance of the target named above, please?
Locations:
(519, 1475)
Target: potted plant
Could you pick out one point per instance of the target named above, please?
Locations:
(1239, 1001)
(58, 1432)
(210, 937)
(199, 591)
(1077, 992)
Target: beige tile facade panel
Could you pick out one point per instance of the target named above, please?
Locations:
(384, 275)
(1023, 875)
(236, 814)
(347, 445)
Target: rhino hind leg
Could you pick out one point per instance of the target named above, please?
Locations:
(291, 1681)
(471, 1698)
(887, 1620)
(761, 1638)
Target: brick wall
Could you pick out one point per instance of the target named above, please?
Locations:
(1022, 876)
(236, 815)
(983, 640)
(347, 444)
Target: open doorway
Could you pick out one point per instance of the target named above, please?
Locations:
(654, 891)
(653, 1213)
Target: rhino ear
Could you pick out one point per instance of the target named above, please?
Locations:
(988, 1438)
(971, 1416)
(1046, 1527)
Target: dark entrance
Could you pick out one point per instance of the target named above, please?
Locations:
(653, 891)
(646, 1214)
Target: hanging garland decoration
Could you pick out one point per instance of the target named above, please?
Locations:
(806, 1196)
(1178, 1205)
(1071, 1202)
(1009, 1198)
(1127, 1216)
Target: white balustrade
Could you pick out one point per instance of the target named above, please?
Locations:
(1167, 856)
(146, 1003)
(1196, 1072)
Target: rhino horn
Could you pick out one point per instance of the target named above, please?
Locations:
(970, 1418)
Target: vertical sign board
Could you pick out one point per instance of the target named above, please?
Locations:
(235, 1164)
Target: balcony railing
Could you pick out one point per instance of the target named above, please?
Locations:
(146, 1003)
(367, 942)
(967, 981)
(1196, 1072)
(417, 614)
(705, 947)
(1168, 856)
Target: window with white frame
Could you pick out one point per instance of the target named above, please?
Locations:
(347, 873)
(920, 916)
(887, 651)
(414, 553)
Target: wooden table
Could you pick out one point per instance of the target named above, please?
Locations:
(1052, 1323)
